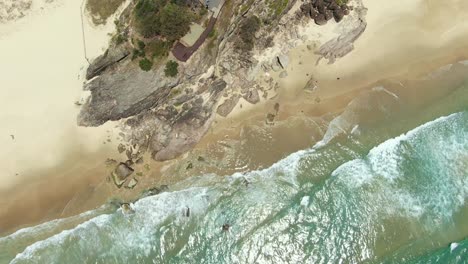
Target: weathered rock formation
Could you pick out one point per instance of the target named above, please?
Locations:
(168, 116)
(323, 10)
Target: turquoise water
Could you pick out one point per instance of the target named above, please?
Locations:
(405, 189)
(385, 194)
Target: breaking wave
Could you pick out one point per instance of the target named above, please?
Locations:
(323, 205)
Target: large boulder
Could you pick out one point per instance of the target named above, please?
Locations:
(305, 8)
(120, 174)
(320, 20)
(338, 14)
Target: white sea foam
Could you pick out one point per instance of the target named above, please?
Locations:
(305, 201)
(50, 225)
(438, 193)
(137, 229)
(377, 100)
(453, 246)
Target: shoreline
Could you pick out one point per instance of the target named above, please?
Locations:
(357, 70)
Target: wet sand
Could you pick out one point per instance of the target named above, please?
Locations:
(398, 42)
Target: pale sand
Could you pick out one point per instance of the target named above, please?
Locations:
(402, 38)
(406, 38)
(42, 67)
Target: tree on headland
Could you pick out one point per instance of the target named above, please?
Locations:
(168, 19)
(146, 64)
(171, 69)
(175, 21)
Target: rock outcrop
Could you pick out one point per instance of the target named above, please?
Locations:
(112, 56)
(120, 174)
(226, 108)
(122, 92)
(167, 131)
(168, 116)
(344, 44)
(322, 11)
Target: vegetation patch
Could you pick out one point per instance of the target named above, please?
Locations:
(172, 69)
(146, 64)
(101, 10)
(247, 31)
(166, 19)
(277, 7)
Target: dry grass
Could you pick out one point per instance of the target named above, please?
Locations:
(101, 10)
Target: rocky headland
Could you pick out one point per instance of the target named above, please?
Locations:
(168, 115)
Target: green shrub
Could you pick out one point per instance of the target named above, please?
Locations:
(212, 33)
(159, 48)
(172, 69)
(141, 45)
(247, 31)
(138, 53)
(146, 64)
(167, 18)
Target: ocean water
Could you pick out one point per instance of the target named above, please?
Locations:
(393, 191)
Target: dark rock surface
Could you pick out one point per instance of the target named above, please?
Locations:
(123, 92)
(323, 10)
(168, 132)
(120, 174)
(226, 108)
(110, 57)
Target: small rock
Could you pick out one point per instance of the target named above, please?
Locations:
(283, 74)
(139, 160)
(320, 20)
(132, 183)
(252, 96)
(453, 246)
(276, 107)
(186, 212)
(226, 108)
(226, 227)
(275, 66)
(283, 61)
(110, 162)
(270, 118)
(127, 208)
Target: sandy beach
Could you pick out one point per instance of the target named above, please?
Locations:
(42, 79)
(42, 69)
